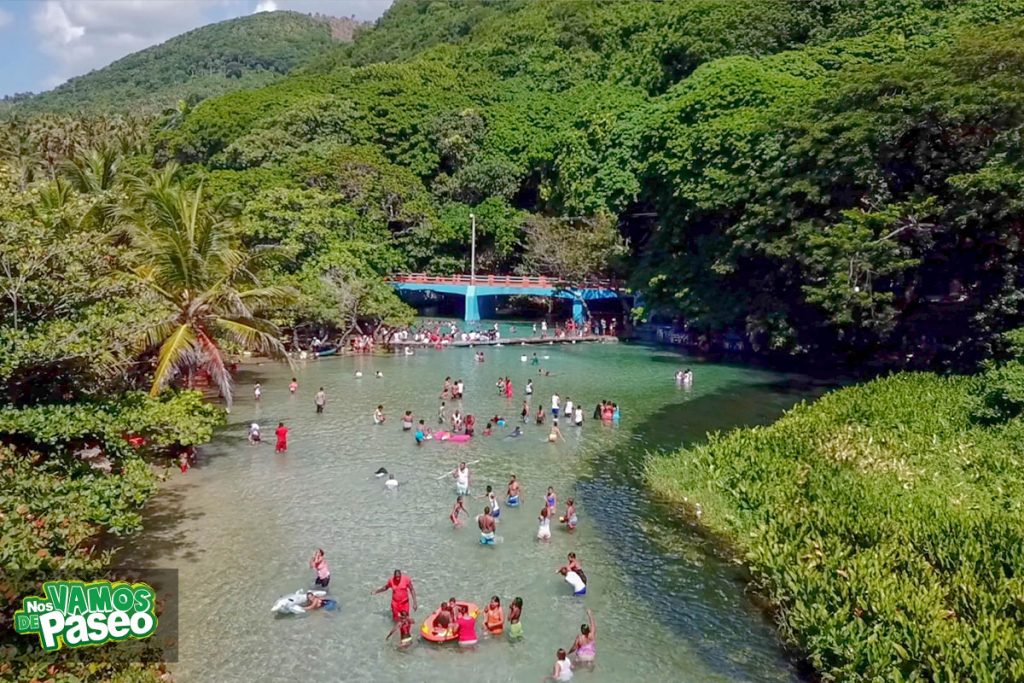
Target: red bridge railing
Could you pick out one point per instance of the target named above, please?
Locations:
(498, 280)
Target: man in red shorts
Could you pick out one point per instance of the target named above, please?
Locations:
(401, 590)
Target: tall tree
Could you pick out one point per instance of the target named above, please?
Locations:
(191, 260)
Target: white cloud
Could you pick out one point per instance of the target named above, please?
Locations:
(80, 35)
(5, 18)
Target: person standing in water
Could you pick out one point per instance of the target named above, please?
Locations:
(525, 413)
(529, 383)
(585, 645)
(294, 385)
(508, 388)
(544, 528)
(487, 526)
(551, 500)
(467, 628)
(319, 563)
(570, 520)
(494, 617)
(576, 580)
(401, 590)
(407, 421)
(556, 402)
(515, 613)
(563, 668)
(257, 392)
(441, 413)
(555, 434)
(458, 509)
(512, 495)
(282, 438)
(462, 478)
(378, 415)
(320, 400)
(577, 416)
(404, 627)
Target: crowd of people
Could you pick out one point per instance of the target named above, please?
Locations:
(455, 620)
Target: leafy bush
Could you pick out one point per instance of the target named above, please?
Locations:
(883, 525)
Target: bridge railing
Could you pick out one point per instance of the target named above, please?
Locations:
(498, 280)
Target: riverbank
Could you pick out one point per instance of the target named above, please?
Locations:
(881, 523)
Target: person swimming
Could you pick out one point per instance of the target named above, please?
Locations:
(391, 482)
(512, 495)
(585, 645)
(515, 432)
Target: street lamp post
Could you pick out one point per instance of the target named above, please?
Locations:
(472, 250)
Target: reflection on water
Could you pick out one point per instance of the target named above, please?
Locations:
(242, 525)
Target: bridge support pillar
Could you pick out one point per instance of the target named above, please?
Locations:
(578, 311)
(472, 313)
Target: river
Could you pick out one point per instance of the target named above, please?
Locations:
(241, 526)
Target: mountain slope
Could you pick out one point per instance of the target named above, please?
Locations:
(240, 53)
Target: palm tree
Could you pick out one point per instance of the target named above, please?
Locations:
(191, 261)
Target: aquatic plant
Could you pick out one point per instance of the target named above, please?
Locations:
(882, 523)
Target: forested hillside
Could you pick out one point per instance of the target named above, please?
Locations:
(837, 177)
(248, 52)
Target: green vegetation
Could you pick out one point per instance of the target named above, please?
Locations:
(828, 179)
(247, 52)
(836, 179)
(882, 522)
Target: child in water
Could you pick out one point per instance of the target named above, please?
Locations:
(515, 612)
(378, 415)
(544, 529)
(459, 507)
(494, 618)
(570, 518)
(404, 627)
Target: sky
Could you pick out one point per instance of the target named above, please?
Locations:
(45, 42)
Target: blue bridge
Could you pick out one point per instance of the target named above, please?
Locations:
(479, 291)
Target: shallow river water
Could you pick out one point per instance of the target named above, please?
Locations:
(241, 526)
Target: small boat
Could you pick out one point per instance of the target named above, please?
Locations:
(451, 635)
(326, 351)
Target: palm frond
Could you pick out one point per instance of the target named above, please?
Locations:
(173, 349)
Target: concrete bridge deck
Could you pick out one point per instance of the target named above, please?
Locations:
(485, 287)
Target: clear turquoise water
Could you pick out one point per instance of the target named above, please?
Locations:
(240, 527)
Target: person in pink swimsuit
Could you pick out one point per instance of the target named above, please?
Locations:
(467, 628)
(585, 645)
(508, 388)
(323, 572)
